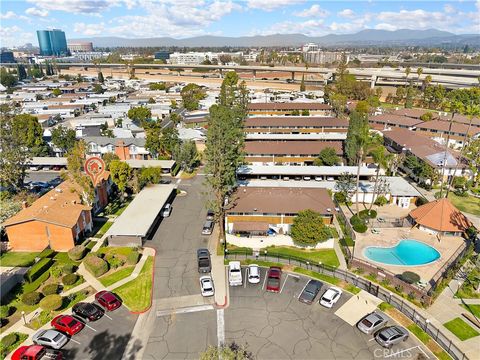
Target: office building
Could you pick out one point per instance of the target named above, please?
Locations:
(52, 42)
(162, 55)
(80, 46)
(322, 57)
(6, 57)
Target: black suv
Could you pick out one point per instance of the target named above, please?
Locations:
(204, 263)
(88, 311)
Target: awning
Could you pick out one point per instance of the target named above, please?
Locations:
(246, 226)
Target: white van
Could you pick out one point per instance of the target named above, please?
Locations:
(235, 273)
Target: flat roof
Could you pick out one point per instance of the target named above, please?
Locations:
(164, 164)
(141, 213)
(48, 160)
(303, 170)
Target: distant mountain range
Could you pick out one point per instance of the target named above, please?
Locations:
(430, 37)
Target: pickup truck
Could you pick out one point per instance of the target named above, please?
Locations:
(235, 273)
(204, 263)
(36, 352)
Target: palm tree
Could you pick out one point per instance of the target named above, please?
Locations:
(408, 70)
(419, 73)
(382, 158)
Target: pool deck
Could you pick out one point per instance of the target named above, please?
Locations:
(389, 237)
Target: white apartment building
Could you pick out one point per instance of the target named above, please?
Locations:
(309, 47)
(191, 58)
(323, 57)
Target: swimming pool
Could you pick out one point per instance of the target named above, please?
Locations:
(405, 253)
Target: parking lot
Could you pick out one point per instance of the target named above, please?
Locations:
(105, 338)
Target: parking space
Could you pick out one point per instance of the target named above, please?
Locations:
(105, 338)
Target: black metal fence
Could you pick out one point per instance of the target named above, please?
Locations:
(399, 303)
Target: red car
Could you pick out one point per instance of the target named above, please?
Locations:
(36, 352)
(108, 300)
(67, 324)
(273, 279)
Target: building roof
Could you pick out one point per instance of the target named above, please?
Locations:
(281, 200)
(141, 213)
(61, 206)
(304, 170)
(241, 226)
(394, 120)
(443, 126)
(103, 141)
(414, 113)
(462, 119)
(289, 106)
(441, 215)
(295, 121)
(327, 135)
(137, 164)
(290, 147)
(48, 161)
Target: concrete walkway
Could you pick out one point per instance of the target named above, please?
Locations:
(218, 271)
(336, 245)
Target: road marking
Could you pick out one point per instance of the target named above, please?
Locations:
(90, 327)
(75, 341)
(401, 351)
(185, 310)
(220, 327)
(424, 352)
(179, 181)
(298, 297)
(247, 270)
(264, 281)
(107, 316)
(283, 285)
(84, 322)
(372, 339)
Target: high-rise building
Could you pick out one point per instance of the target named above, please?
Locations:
(162, 55)
(80, 46)
(6, 57)
(52, 42)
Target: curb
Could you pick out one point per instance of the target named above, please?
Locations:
(151, 291)
(225, 304)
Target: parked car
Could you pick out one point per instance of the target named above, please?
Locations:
(391, 335)
(55, 182)
(204, 261)
(206, 286)
(34, 168)
(67, 324)
(310, 292)
(307, 178)
(330, 297)
(274, 276)
(56, 167)
(207, 228)
(167, 210)
(372, 322)
(87, 311)
(210, 215)
(36, 352)
(108, 300)
(318, 178)
(330, 178)
(51, 338)
(253, 274)
(234, 273)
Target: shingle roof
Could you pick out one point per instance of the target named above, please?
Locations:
(394, 120)
(289, 106)
(310, 121)
(103, 140)
(291, 147)
(61, 206)
(443, 126)
(413, 113)
(441, 215)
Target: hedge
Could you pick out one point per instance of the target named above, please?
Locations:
(410, 277)
(95, 265)
(76, 253)
(31, 298)
(29, 287)
(9, 339)
(175, 169)
(365, 214)
(70, 279)
(68, 269)
(381, 201)
(47, 253)
(38, 269)
(51, 302)
(56, 271)
(50, 289)
(132, 258)
(4, 311)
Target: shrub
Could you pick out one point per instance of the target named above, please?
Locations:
(360, 228)
(50, 289)
(38, 269)
(56, 271)
(115, 262)
(76, 253)
(4, 311)
(381, 201)
(95, 265)
(421, 201)
(410, 277)
(365, 214)
(31, 298)
(68, 268)
(399, 288)
(51, 302)
(9, 340)
(340, 197)
(29, 287)
(132, 258)
(47, 253)
(70, 279)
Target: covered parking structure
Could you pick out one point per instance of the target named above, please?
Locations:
(167, 166)
(138, 220)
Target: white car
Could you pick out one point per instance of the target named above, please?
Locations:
(167, 210)
(330, 297)
(235, 273)
(253, 274)
(206, 285)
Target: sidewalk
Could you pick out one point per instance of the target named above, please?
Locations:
(336, 245)
(218, 271)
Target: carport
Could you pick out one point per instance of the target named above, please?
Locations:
(134, 225)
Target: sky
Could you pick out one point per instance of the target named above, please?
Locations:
(19, 19)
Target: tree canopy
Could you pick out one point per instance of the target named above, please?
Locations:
(28, 130)
(327, 157)
(121, 174)
(63, 138)
(191, 96)
(139, 114)
(308, 228)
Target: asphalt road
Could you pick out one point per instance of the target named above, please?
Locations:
(105, 338)
(41, 175)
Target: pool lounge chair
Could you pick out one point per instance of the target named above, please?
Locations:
(375, 231)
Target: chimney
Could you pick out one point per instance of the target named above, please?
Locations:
(24, 204)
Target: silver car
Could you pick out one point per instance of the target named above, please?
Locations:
(372, 322)
(391, 335)
(51, 338)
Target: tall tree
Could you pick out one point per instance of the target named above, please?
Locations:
(121, 174)
(100, 77)
(75, 171)
(327, 157)
(224, 144)
(419, 73)
(345, 186)
(14, 156)
(6, 78)
(63, 138)
(21, 72)
(382, 158)
(302, 83)
(30, 133)
(339, 104)
(139, 114)
(186, 155)
(191, 96)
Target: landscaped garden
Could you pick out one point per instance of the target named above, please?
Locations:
(469, 288)
(468, 204)
(461, 329)
(21, 259)
(315, 256)
(10, 342)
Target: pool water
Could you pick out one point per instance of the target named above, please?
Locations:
(405, 253)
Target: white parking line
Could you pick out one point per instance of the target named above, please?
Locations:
(298, 297)
(108, 317)
(75, 341)
(90, 327)
(185, 310)
(179, 181)
(247, 270)
(424, 352)
(372, 339)
(401, 351)
(283, 285)
(220, 327)
(264, 281)
(84, 322)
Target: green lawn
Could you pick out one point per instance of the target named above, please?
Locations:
(4, 351)
(115, 250)
(468, 204)
(473, 309)
(326, 278)
(11, 258)
(103, 229)
(137, 294)
(461, 329)
(469, 286)
(118, 275)
(325, 256)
